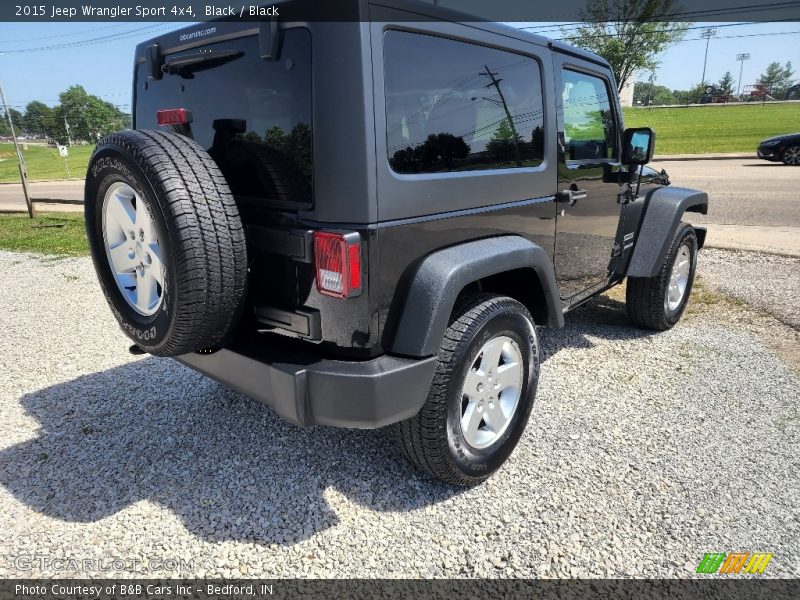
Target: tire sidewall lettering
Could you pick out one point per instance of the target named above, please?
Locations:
(104, 171)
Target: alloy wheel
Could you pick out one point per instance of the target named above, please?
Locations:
(132, 248)
(679, 278)
(491, 392)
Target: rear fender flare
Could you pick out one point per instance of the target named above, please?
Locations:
(422, 313)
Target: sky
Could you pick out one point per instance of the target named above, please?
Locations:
(104, 63)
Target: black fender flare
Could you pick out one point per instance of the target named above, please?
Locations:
(433, 286)
(664, 208)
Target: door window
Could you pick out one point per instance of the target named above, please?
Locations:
(590, 131)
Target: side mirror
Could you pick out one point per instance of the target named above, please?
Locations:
(637, 145)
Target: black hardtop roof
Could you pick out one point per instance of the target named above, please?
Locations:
(201, 33)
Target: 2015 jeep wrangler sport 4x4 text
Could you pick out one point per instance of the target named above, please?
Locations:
(361, 224)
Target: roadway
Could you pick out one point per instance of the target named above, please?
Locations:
(755, 205)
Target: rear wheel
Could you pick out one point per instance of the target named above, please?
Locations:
(481, 395)
(658, 302)
(791, 156)
(166, 240)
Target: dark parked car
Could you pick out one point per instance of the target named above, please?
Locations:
(782, 148)
(361, 224)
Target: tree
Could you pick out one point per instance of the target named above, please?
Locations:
(88, 116)
(38, 119)
(4, 130)
(629, 34)
(443, 148)
(504, 145)
(725, 85)
(777, 79)
(691, 96)
(16, 117)
(645, 93)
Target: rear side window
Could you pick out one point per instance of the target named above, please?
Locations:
(589, 128)
(252, 115)
(454, 106)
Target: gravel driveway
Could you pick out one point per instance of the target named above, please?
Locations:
(643, 453)
(767, 282)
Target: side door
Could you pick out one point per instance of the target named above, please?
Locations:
(588, 197)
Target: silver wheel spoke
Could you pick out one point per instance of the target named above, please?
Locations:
(156, 266)
(508, 375)
(127, 282)
(491, 355)
(143, 221)
(121, 260)
(121, 210)
(146, 291)
(471, 420)
(472, 382)
(494, 417)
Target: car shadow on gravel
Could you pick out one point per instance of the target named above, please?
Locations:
(226, 465)
(601, 317)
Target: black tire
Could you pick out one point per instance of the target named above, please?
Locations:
(646, 296)
(433, 440)
(200, 235)
(791, 156)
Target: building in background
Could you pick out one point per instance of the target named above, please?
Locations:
(626, 95)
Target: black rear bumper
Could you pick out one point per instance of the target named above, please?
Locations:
(306, 390)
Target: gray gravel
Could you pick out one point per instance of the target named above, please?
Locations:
(766, 282)
(643, 453)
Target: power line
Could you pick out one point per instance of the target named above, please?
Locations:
(60, 35)
(693, 15)
(90, 41)
(731, 37)
(581, 26)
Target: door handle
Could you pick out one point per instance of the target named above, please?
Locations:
(571, 196)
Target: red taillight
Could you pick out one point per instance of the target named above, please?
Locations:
(173, 116)
(337, 258)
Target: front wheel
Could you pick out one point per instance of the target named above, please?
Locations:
(658, 302)
(791, 156)
(481, 395)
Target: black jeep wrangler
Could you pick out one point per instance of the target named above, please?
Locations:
(361, 224)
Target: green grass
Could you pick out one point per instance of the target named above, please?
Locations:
(43, 162)
(48, 233)
(685, 130)
(715, 128)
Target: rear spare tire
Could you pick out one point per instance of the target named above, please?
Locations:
(166, 239)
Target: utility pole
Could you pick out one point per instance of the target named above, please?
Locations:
(23, 172)
(69, 137)
(652, 81)
(496, 83)
(707, 33)
(741, 58)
